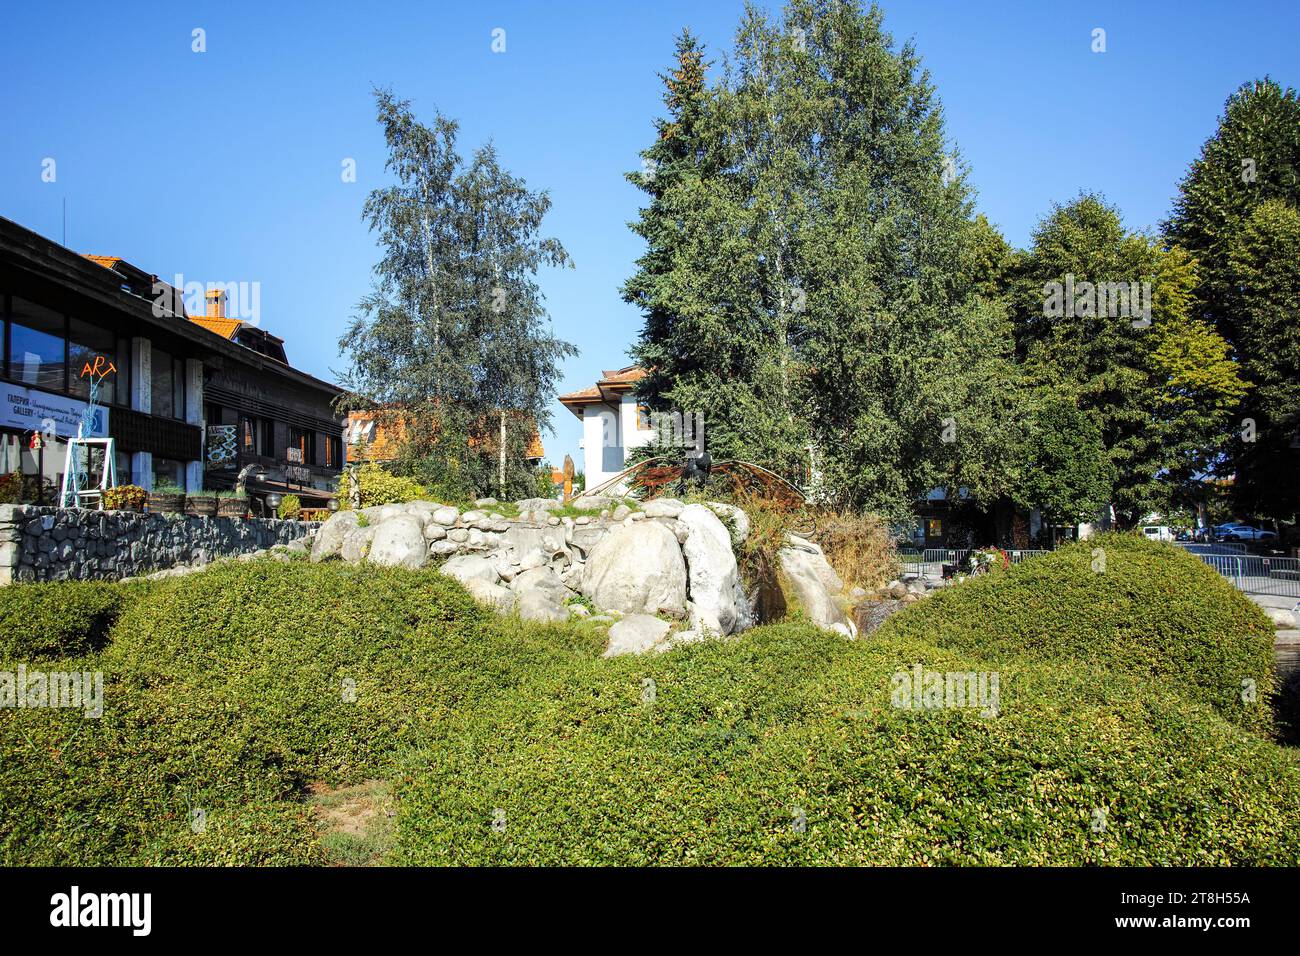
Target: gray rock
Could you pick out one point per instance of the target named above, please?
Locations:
(540, 579)
(535, 605)
(357, 544)
(636, 568)
(446, 516)
(819, 604)
(539, 504)
(493, 595)
(736, 520)
(467, 567)
(817, 559)
(663, 508)
(636, 634)
(711, 569)
(398, 542)
(329, 540)
(485, 503)
(434, 531)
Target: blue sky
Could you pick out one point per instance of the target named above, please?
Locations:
(225, 165)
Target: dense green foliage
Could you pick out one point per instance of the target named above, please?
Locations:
(1144, 608)
(453, 343)
(1265, 260)
(814, 283)
(60, 619)
(1236, 213)
(228, 692)
(1159, 384)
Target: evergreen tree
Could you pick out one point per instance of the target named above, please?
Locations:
(1264, 260)
(1232, 215)
(815, 271)
(1254, 156)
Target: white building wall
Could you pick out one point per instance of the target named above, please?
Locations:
(634, 436)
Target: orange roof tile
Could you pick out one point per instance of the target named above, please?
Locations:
(223, 326)
(612, 382)
(108, 262)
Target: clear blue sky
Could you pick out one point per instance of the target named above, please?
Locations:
(225, 165)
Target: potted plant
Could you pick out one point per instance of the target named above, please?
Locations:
(124, 498)
(167, 498)
(232, 504)
(290, 507)
(202, 505)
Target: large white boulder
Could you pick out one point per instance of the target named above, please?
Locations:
(542, 579)
(663, 507)
(536, 605)
(329, 539)
(735, 518)
(356, 544)
(467, 567)
(636, 634)
(636, 569)
(816, 560)
(493, 595)
(802, 569)
(711, 569)
(399, 543)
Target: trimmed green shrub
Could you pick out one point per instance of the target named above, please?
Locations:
(1142, 607)
(290, 507)
(784, 748)
(230, 690)
(51, 619)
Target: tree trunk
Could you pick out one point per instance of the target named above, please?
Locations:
(501, 459)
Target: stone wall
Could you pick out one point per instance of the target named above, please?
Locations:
(51, 544)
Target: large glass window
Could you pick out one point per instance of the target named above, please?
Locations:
(333, 452)
(36, 346)
(302, 446)
(167, 375)
(91, 352)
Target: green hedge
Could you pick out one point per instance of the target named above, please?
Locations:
(224, 691)
(743, 736)
(60, 618)
(1142, 607)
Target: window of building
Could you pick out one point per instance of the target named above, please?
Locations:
(37, 346)
(162, 373)
(302, 446)
(167, 376)
(333, 451)
(165, 470)
(91, 353)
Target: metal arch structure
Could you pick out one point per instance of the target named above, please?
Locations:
(655, 474)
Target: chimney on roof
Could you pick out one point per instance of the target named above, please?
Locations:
(215, 301)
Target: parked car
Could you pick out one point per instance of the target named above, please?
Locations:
(1158, 532)
(1245, 532)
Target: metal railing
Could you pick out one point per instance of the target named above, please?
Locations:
(930, 562)
(1258, 575)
